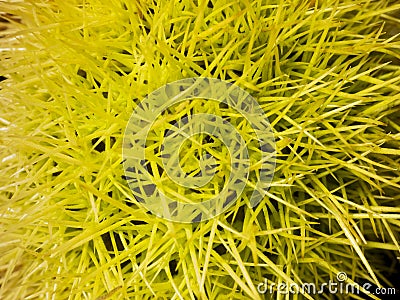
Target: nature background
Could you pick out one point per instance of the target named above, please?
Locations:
(327, 75)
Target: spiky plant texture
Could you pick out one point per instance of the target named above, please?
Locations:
(326, 74)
